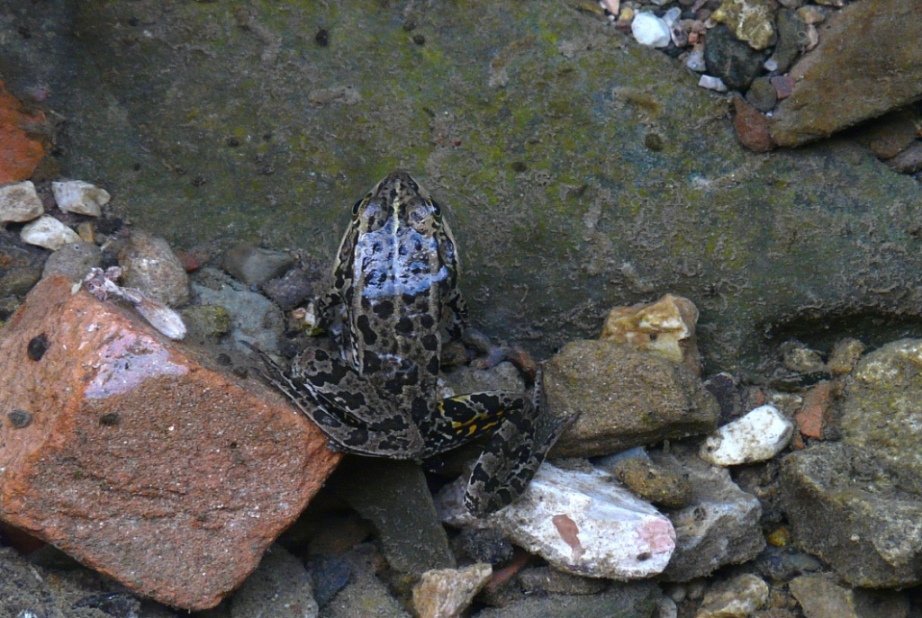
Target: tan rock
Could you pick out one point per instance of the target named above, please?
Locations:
(624, 397)
(137, 460)
(666, 327)
(862, 68)
(445, 593)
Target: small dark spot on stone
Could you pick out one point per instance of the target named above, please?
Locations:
(267, 170)
(232, 142)
(232, 446)
(644, 556)
(223, 359)
(37, 347)
(198, 181)
(133, 22)
(180, 170)
(240, 372)
(419, 39)
(25, 32)
(136, 167)
(653, 141)
(409, 25)
(109, 419)
(322, 38)
(20, 418)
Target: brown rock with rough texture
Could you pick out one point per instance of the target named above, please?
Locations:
(123, 451)
(625, 398)
(867, 63)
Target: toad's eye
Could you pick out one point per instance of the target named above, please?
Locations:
(436, 209)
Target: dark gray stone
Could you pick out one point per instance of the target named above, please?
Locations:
(394, 497)
(73, 261)
(792, 39)
(762, 95)
(730, 59)
(254, 265)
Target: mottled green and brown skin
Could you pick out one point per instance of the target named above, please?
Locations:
(393, 299)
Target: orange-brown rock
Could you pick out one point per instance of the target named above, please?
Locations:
(666, 327)
(125, 452)
(21, 147)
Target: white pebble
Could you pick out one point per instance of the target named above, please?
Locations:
(79, 197)
(695, 61)
(48, 232)
(650, 30)
(580, 522)
(757, 436)
(19, 202)
(712, 83)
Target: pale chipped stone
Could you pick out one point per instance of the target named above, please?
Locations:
(749, 20)
(79, 197)
(757, 436)
(666, 327)
(735, 598)
(49, 233)
(19, 202)
(580, 522)
(710, 82)
(445, 593)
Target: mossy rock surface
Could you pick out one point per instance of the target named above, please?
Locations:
(580, 170)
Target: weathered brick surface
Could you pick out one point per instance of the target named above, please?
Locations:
(139, 461)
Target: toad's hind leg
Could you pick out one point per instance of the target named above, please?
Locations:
(512, 456)
(346, 408)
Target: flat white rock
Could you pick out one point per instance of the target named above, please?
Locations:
(650, 30)
(757, 436)
(80, 197)
(49, 233)
(712, 83)
(579, 521)
(19, 202)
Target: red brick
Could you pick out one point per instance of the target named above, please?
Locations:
(752, 128)
(811, 417)
(139, 461)
(20, 148)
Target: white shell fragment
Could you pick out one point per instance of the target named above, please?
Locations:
(80, 197)
(583, 523)
(757, 436)
(49, 233)
(650, 30)
(19, 202)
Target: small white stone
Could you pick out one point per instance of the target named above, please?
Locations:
(19, 202)
(695, 60)
(671, 17)
(80, 197)
(48, 232)
(650, 30)
(757, 436)
(580, 522)
(712, 83)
